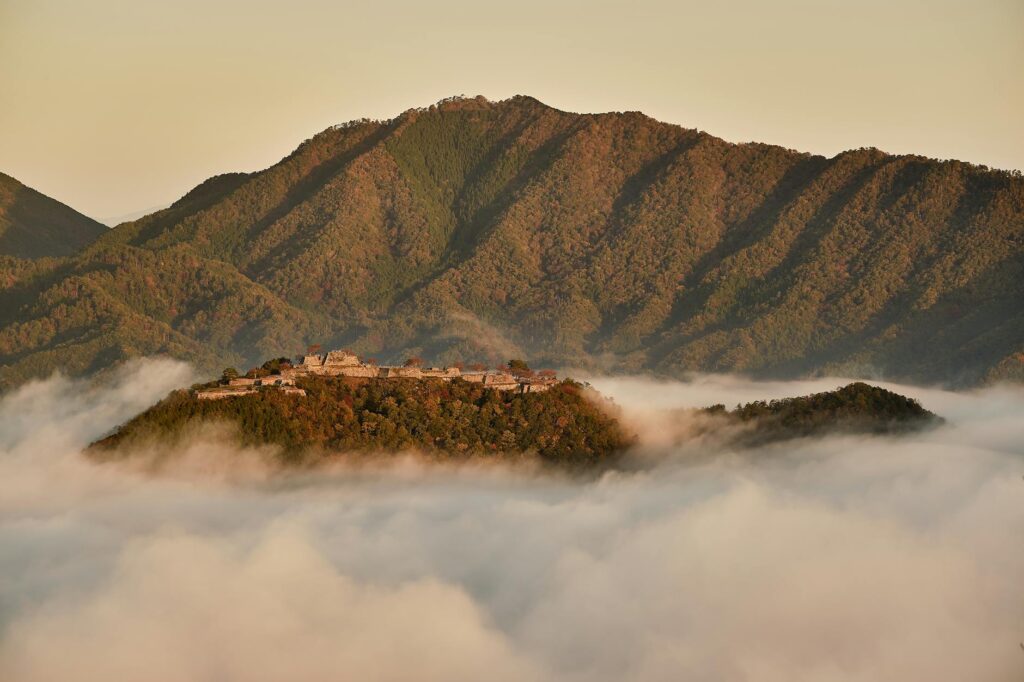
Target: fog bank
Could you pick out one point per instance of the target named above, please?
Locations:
(840, 559)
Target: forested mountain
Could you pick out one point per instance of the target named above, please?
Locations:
(33, 225)
(501, 229)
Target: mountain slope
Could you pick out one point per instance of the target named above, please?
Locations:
(613, 241)
(33, 225)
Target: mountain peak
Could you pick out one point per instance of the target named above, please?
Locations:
(474, 228)
(33, 225)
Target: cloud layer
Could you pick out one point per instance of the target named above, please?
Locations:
(845, 559)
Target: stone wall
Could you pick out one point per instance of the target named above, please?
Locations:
(353, 371)
(346, 364)
(400, 373)
(341, 358)
(442, 372)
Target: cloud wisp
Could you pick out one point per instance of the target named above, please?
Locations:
(840, 559)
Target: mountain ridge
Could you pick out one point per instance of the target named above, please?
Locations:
(606, 241)
(32, 225)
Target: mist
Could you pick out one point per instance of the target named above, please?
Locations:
(835, 559)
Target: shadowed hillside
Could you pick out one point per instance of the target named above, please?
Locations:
(33, 225)
(850, 409)
(481, 229)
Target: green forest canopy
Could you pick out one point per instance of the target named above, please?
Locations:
(563, 426)
(478, 229)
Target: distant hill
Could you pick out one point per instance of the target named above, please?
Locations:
(112, 221)
(511, 229)
(33, 225)
(854, 408)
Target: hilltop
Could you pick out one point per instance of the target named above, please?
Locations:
(477, 229)
(315, 414)
(324, 406)
(32, 225)
(854, 408)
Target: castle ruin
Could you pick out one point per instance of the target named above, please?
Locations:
(342, 363)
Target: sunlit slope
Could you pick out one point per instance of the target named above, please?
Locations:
(489, 229)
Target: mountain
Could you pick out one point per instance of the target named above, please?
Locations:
(111, 221)
(511, 229)
(32, 225)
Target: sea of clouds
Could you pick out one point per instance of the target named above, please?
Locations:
(837, 559)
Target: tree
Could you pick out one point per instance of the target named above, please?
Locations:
(314, 349)
(519, 368)
(276, 365)
(228, 374)
(414, 361)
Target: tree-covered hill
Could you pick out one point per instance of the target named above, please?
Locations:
(456, 419)
(488, 229)
(569, 425)
(33, 225)
(854, 408)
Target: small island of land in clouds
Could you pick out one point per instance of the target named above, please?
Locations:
(323, 405)
(334, 402)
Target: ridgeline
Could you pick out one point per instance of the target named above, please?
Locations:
(854, 408)
(458, 419)
(32, 225)
(477, 229)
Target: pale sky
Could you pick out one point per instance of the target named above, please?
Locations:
(117, 106)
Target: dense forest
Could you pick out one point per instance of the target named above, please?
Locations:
(855, 408)
(569, 426)
(477, 229)
(459, 419)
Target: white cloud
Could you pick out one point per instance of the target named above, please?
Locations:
(846, 559)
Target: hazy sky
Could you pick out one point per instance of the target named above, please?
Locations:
(115, 106)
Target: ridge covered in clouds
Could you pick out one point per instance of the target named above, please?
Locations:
(845, 559)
